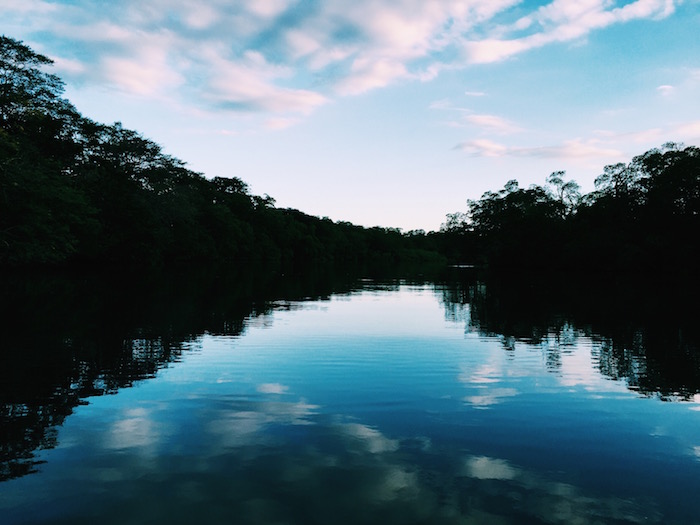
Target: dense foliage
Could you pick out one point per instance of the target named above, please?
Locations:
(644, 215)
(73, 191)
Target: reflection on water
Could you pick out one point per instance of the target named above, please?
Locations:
(643, 334)
(398, 403)
(66, 339)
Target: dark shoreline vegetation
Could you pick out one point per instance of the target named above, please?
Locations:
(78, 194)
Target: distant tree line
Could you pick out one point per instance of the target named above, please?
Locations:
(644, 215)
(74, 191)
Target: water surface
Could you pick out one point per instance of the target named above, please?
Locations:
(385, 403)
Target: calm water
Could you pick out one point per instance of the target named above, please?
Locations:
(384, 403)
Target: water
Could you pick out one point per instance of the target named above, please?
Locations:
(384, 403)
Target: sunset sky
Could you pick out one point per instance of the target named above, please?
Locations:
(380, 112)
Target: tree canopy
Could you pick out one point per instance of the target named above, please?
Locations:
(642, 215)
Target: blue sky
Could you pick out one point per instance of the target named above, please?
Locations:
(380, 112)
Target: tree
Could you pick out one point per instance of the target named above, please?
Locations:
(567, 193)
(25, 88)
(455, 222)
(44, 213)
(622, 183)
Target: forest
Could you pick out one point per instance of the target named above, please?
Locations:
(642, 216)
(78, 193)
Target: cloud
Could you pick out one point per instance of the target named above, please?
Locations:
(268, 8)
(493, 123)
(440, 104)
(561, 21)
(289, 57)
(249, 84)
(570, 149)
(66, 66)
(665, 90)
(367, 74)
(687, 131)
(483, 148)
(646, 136)
(28, 6)
(490, 50)
(150, 74)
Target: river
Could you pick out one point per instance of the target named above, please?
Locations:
(346, 401)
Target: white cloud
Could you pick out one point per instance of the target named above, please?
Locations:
(493, 123)
(28, 6)
(148, 75)
(268, 8)
(645, 136)
(440, 104)
(687, 131)
(570, 149)
(200, 17)
(491, 50)
(249, 84)
(665, 90)
(301, 44)
(561, 21)
(483, 148)
(369, 74)
(67, 66)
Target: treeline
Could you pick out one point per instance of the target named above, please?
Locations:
(644, 215)
(74, 191)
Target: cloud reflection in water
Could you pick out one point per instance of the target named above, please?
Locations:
(276, 460)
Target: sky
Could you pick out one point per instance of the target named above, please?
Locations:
(380, 112)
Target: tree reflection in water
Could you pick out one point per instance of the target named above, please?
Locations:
(68, 338)
(642, 333)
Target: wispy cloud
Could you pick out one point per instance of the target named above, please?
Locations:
(602, 146)
(560, 21)
(493, 123)
(29, 7)
(570, 149)
(686, 131)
